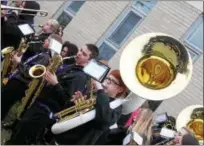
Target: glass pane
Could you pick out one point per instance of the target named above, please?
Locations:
(106, 52)
(192, 54)
(75, 6)
(124, 28)
(196, 38)
(145, 6)
(64, 19)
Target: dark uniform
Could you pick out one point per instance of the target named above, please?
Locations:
(10, 33)
(14, 90)
(89, 133)
(52, 99)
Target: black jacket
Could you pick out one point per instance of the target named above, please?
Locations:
(71, 79)
(89, 133)
(35, 45)
(23, 69)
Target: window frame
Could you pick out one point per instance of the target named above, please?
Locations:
(114, 27)
(64, 9)
(191, 47)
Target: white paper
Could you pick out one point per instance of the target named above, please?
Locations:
(114, 126)
(55, 46)
(94, 70)
(161, 118)
(127, 139)
(167, 133)
(137, 138)
(26, 29)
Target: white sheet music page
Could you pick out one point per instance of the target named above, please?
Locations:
(127, 139)
(94, 70)
(55, 46)
(25, 29)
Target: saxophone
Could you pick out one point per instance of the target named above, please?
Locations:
(9, 52)
(37, 84)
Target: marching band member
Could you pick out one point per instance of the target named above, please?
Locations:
(50, 27)
(10, 32)
(88, 134)
(53, 98)
(142, 125)
(184, 137)
(116, 135)
(18, 82)
(69, 49)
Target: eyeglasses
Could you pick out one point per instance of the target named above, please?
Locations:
(111, 81)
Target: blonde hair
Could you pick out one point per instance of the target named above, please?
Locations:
(143, 124)
(54, 25)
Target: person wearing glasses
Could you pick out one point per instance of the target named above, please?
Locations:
(88, 134)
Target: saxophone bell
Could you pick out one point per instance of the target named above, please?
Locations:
(37, 71)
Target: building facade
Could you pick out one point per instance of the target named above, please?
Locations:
(111, 25)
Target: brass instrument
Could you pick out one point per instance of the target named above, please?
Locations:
(38, 83)
(192, 118)
(9, 52)
(6, 63)
(81, 106)
(20, 51)
(155, 66)
(40, 13)
(36, 72)
(52, 67)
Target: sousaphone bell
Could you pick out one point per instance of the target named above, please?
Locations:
(156, 66)
(191, 117)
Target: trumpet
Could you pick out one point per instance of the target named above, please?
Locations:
(81, 106)
(40, 13)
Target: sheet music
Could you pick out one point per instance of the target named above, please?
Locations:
(55, 46)
(95, 70)
(26, 29)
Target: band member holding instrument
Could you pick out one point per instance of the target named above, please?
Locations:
(69, 49)
(10, 32)
(50, 27)
(53, 98)
(87, 134)
(18, 81)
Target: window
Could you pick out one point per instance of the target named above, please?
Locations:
(124, 26)
(67, 12)
(193, 39)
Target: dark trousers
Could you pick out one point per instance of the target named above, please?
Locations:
(31, 128)
(12, 92)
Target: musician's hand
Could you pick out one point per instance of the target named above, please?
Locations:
(97, 85)
(16, 59)
(77, 95)
(51, 78)
(3, 13)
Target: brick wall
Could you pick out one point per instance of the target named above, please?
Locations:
(172, 17)
(92, 20)
(51, 7)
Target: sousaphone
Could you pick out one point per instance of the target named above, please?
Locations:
(156, 66)
(191, 117)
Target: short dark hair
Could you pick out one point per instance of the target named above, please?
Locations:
(72, 48)
(94, 50)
